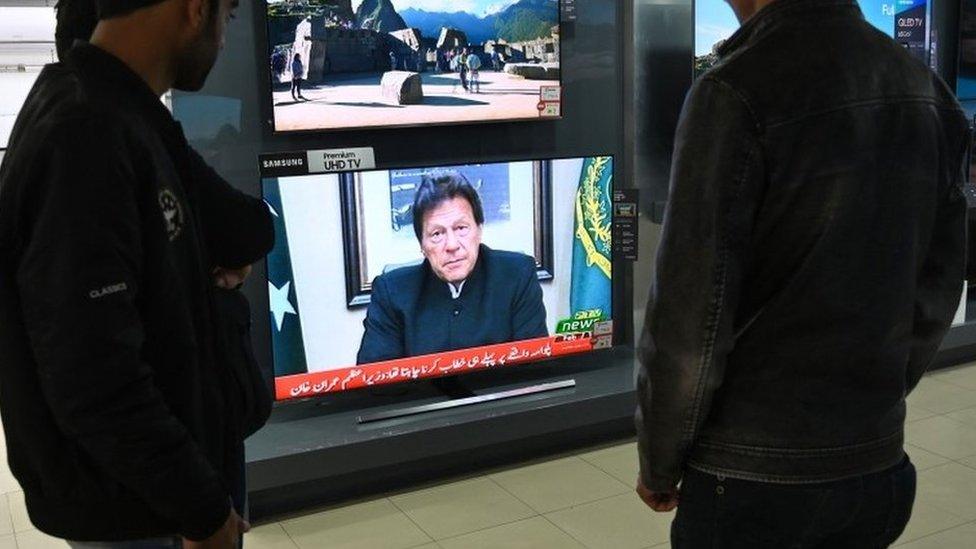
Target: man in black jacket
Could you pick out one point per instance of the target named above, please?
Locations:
(119, 415)
(811, 262)
(463, 295)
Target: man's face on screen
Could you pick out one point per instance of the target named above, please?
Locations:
(451, 240)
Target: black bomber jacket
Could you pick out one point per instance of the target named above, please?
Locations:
(116, 413)
(812, 254)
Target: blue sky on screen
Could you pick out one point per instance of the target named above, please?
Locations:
(714, 19)
(477, 7)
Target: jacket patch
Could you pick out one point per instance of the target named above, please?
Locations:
(108, 290)
(172, 213)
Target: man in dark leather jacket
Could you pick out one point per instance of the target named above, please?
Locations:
(118, 412)
(811, 262)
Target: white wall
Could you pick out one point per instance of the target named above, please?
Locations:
(312, 217)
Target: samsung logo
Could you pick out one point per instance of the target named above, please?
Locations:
(108, 290)
(284, 163)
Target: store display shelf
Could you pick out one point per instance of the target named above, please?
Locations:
(316, 452)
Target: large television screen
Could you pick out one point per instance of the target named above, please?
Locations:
(388, 276)
(347, 64)
(906, 21)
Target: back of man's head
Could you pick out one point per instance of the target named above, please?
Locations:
(76, 19)
(185, 34)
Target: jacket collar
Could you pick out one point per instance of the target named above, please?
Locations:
(115, 79)
(775, 13)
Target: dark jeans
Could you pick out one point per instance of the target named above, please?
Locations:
(864, 512)
(296, 86)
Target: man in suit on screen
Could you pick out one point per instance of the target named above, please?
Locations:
(463, 295)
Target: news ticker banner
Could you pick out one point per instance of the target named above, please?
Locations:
(290, 164)
(443, 364)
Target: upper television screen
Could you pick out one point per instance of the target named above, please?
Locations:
(347, 64)
(446, 270)
(904, 20)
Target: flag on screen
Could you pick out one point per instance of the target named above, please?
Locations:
(592, 238)
(287, 343)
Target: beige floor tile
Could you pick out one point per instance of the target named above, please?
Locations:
(941, 397)
(960, 537)
(620, 522)
(462, 507)
(533, 533)
(431, 545)
(8, 541)
(559, 484)
(967, 416)
(943, 436)
(35, 539)
(928, 519)
(7, 482)
(620, 462)
(372, 525)
(18, 512)
(968, 461)
(963, 376)
(951, 487)
(915, 413)
(268, 536)
(923, 459)
(6, 522)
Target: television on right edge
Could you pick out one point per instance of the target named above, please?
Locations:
(353, 64)
(906, 21)
(395, 275)
(966, 79)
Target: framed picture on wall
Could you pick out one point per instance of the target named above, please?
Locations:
(377, 217)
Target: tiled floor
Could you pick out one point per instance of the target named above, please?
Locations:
(586, 500)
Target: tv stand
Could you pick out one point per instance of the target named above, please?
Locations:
(459, 396)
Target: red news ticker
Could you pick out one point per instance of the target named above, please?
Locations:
(427, 366)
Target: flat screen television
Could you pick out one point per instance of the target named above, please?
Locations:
(906, 21)
(966, 79)
(394, 275)
(352, 64)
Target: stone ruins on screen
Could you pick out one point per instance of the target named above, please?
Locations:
(375, 36)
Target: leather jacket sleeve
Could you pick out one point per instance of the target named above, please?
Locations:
(941, 276)
(237, 227)
(79, 283)
(716, 186)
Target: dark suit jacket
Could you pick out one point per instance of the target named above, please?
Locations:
(412, 312)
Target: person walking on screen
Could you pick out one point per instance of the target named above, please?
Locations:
(462, 68)
(811, 262)
(123, 426)
(474, 78)
(297, 73)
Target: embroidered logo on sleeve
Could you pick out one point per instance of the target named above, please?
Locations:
(172, 213)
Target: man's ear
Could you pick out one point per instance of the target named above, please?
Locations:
(195, 13)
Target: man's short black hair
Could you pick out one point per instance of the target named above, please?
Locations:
(108, 9)
(435, 189)
(76, 20)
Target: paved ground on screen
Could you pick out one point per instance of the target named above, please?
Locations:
(355, 101)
